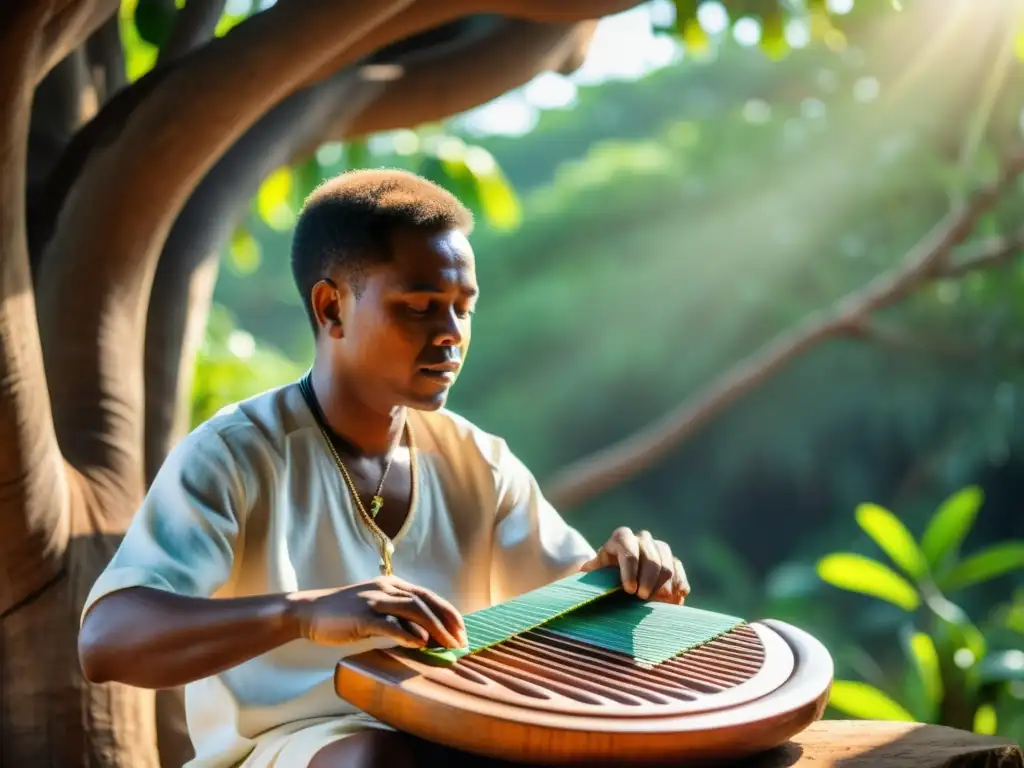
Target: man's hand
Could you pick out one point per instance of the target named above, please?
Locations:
(648, 568)
(412, 616)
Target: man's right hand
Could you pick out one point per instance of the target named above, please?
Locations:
(412, 616)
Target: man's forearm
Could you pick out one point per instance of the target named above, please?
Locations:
(154, 639)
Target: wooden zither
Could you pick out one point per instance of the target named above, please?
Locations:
(581, 672)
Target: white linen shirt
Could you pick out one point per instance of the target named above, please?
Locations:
(252, 503)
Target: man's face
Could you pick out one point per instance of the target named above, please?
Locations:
(407, 334)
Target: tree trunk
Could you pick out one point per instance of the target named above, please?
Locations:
(50, 715)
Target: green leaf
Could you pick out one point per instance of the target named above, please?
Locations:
(139, 55)
(357, 154)
(926, 661)
(990, 563)
(821, 22)
(1011, 615)
(1001, 667)
(273, 200)
(694, 38)
(448, 169)
(955, 629)
(307, 177)
(951, 523)
(1018, 44)
(498, 200)
(856, 573)
(893, 538)
(244, 251)
(773, 35)
(688, 29)
(154, 20)
(865, 702)
(986, 721)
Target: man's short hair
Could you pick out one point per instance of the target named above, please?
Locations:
(348, 222)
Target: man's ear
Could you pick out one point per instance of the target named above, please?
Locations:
(328, 302)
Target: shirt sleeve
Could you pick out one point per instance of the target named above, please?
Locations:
(183, 537)
(533, 545)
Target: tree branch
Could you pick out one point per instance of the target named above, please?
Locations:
(194, 26)
(58, 110)
(577, 54)
(561, 12)
(426, 14)
(619, 462)
(103, 261)
(106, 57)
(184, 279)
(903, 340)
(33, 483)
(72, 23)
(511, 55)
(102, 130)
(991, 252)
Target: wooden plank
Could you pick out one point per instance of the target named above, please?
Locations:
(824, 744)
(863, 743)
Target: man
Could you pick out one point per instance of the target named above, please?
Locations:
(344, 512)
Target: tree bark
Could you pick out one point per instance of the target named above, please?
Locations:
(194, 26)
(427, 14)
(510, 56)
(625, 459)
(48, 716)
(106, 59)
(34, 525)
(71, 24)
(59, 108)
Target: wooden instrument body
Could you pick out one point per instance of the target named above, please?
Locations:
(547, 701)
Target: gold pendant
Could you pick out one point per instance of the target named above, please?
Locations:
(375, 506)
(386, 550)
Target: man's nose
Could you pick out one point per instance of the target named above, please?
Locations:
(449, 331)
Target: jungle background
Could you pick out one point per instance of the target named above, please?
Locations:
(751, 277)
(663, 213)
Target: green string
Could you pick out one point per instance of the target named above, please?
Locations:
(591, 608)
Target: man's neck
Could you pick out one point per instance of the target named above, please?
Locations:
(370, 432)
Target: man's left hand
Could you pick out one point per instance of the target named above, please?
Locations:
(647, 566)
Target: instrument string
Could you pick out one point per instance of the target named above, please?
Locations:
(591, 608)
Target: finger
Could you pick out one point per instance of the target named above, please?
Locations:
(602, 559)
(680, 584)
(405, 634)
(413, 609)
(442, 609)
(624, 547)
(673, 591)
(652, 574)
(666, 591)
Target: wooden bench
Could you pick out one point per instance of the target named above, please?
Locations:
(864, 743)
(856, 744)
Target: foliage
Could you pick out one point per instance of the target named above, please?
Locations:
(467, 170)
(961, 675)
(232, 366)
